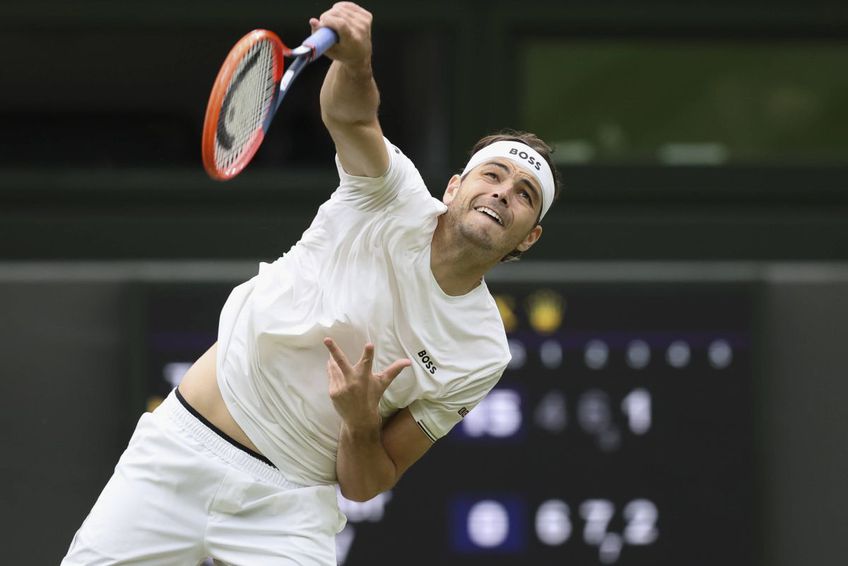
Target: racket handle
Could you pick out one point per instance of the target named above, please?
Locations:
(320, 41)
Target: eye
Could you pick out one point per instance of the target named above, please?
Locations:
(525, 195)
(491, 175)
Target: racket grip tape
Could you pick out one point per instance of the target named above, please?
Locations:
(320, 41)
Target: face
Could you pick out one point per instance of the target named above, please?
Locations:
(496, 207)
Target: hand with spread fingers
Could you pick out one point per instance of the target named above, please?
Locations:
(354, 389)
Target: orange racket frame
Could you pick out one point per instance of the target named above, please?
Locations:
(219, 92)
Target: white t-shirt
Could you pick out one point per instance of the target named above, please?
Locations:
(360, 273)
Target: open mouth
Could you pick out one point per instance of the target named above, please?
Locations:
(490, 213)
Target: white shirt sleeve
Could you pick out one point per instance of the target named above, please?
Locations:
(437, 417)
(376, 193)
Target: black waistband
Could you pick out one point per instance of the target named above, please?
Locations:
(220, 432)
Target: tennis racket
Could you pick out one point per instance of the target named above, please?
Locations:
(247, 93)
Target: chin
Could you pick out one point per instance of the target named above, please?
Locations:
(481, 238)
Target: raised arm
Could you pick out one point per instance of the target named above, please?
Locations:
(349, 96)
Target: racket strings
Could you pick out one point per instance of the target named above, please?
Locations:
(247, 103)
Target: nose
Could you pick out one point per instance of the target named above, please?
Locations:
(501, 197)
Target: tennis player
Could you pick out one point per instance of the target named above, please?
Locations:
(340, 363)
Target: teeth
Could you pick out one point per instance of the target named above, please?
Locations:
(490, 212)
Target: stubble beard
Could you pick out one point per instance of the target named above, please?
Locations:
(475, 235)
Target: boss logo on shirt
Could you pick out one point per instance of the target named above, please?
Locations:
(427, 362)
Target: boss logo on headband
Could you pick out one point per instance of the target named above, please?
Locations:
(527, 157)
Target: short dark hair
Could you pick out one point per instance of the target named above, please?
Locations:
(536, 143)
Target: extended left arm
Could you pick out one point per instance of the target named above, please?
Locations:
(371, 457)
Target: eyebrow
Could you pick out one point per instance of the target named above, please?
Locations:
(526, 182)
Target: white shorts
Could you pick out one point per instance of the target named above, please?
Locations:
(181, 493)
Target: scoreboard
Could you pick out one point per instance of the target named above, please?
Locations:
(621, 433)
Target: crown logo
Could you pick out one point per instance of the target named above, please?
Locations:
(546, 309)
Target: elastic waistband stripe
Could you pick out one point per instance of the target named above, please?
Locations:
(218, 431)
(219, 444)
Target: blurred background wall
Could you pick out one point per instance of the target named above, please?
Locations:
(698, 144)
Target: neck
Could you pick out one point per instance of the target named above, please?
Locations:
(457, 267)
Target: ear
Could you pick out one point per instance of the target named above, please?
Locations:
(451, 189)
(531, 239)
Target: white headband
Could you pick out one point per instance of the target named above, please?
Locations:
(525, 157)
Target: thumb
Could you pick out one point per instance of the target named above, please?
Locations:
(314, 23)
(390, 373)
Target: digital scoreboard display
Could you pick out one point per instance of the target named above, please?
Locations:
(621, 433)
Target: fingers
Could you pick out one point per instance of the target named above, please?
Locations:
(390, 373)
(338, 356)
(343, 15)
(367, 359)
(365, 363)
(349, 11)
(338, 366)
(334, 371)
(353, 26)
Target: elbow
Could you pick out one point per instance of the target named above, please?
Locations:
(362, 493)
(358, 496)
(342, 122)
